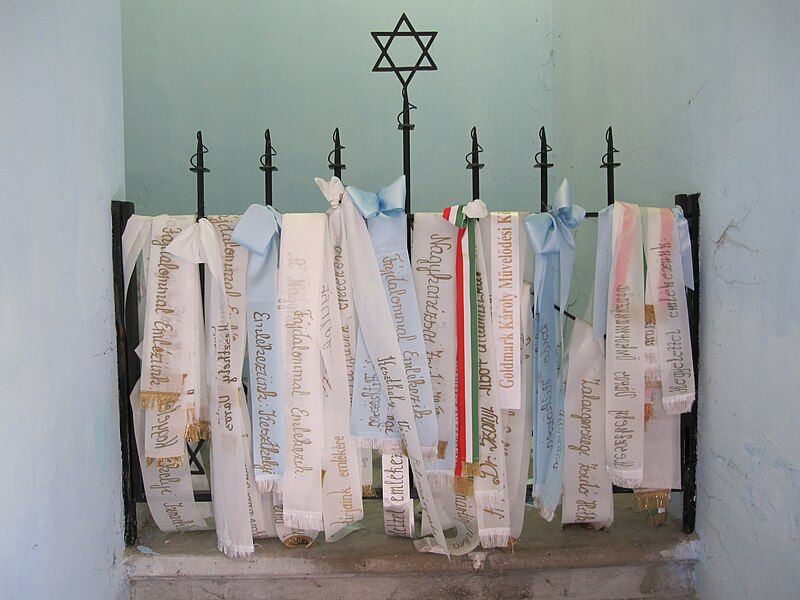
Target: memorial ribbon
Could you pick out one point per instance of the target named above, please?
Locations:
(341, 481)
(233, 506)
(259, 231)
(506, 259)
(620, 270)
(519, 422)
(386, 221)
(334, 191)
(235, 259)
(491, 479)
(551, 237)
(300, 277)
(168, 337)
(588, 495)
(168, 488)
(467, 402)
(379, 333)
(433, 258)
(665, 271)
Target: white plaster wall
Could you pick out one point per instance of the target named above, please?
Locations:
(705, 96)
(61, 162)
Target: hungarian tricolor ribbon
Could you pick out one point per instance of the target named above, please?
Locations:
(465, 217)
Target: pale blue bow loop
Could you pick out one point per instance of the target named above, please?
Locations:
(542, 231)
(685, 245)
(545, 241)
(257, 227)
(571, 215)
(389, 200)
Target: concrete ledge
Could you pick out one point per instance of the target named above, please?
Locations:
(633, 560)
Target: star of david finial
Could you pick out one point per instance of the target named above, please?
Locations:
(404, 29)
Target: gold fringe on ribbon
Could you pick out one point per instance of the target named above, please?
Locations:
(164, 400)
(199, 430)
(297, 540)
(464, 486)
(469, 469)
(655, 503)
(649, 314)
(172, 462)
(441, 449)
(368, 491)
(648, 412)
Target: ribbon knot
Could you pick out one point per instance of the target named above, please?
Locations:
(255, 230)
(459, 214)
(542, 231)
(546, 232)
(567, 214)
(389, 200)
(333, 190)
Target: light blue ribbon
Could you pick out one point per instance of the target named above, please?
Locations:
(602, 269)
(389, 200)
(259, 231)
(386, 222)
(685, 244)
(552, 239)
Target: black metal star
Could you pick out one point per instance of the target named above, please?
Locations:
(404, 73)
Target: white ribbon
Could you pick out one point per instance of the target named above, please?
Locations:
(461, 511)
(202, 243)
(300, 278)
(235, 259)
(168, 488)
(334, 191)
(519, 423)
(378, 329)
(341, 482)
(168, 336)
(290, 537)
(662, 433)
(625, 391)
(433, 261)
(506, 281)
(666, 278)
(588, 495)
(398, 507)
(491, 482)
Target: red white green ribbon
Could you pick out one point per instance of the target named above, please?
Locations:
(467, 407)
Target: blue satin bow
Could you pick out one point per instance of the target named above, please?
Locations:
(258, 231)
(257, 227)
(554, 234)
(389, 200)
(552, 238)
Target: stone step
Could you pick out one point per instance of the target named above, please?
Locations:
(632, 560)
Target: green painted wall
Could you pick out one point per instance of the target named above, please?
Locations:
(704, 97)
(302, 68)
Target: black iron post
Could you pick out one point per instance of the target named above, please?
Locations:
(474, 165)
(126, 313)
(267, 167)
(541, 163)
(336, 165)
(609, 165)
(690, 204)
